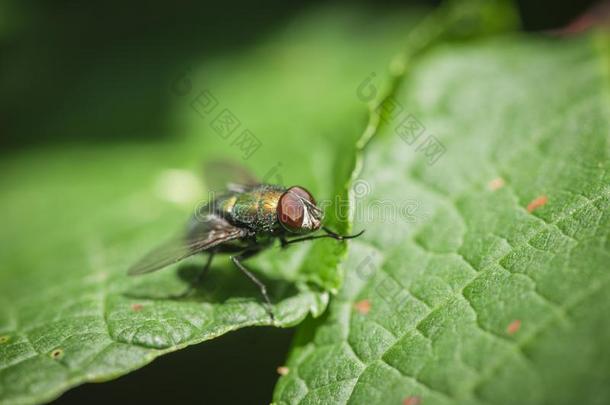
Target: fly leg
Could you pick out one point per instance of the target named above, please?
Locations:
(329, 234)
(237, 261)
(283, 242)
(200, 276)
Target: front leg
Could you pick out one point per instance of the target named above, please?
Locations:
(329, 234)
(284, 242)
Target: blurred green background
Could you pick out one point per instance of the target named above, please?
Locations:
(101, 71)
(103, 75)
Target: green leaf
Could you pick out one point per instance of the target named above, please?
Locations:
(77, 216)
(491, 287)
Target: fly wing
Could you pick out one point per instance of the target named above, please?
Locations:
(205, 234)
(223, 175)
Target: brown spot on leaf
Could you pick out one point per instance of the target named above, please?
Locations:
(136, 307)
(4, 339)
(57, 354)
(412, 400)
(537, 203)
(513, 327)
(496, 184)
(363, 306)
(283, 370)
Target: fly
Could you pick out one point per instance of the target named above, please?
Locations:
(243, 220)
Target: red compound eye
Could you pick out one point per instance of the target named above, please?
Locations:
(297, 211)
(301, 192)
(291, 211)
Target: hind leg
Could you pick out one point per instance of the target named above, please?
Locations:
(198, 279)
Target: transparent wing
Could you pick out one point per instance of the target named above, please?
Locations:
(205, 234)
(223, 175)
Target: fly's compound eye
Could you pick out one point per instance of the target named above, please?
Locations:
(291, 211)
(304, 194)
(297, 211)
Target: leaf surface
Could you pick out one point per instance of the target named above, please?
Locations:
(484, 278)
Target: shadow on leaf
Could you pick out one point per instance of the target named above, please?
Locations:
(223, 282)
